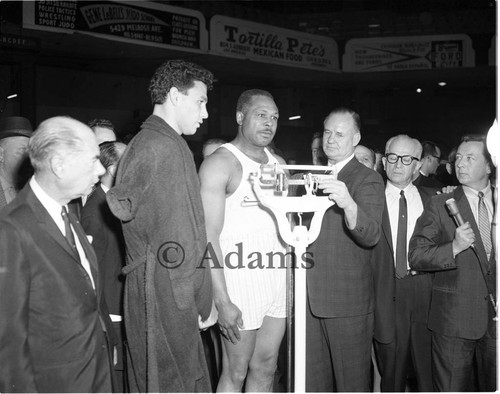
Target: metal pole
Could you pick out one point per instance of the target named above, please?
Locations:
(300, 235)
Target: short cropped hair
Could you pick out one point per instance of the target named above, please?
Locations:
(109, 154)
(105, 123)
(317, 135)
(416, 143)
(452, 156)
(345, 110)
(180, 74)
(51, 136)
(480, 138)
(429, 148)
(246, 98)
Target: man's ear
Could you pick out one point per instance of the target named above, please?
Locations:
(239, 117)
(356, 138)
(384, 163)
(173, 95)
(57, 165)
(112, 170)
(417, 167)
(1, 154)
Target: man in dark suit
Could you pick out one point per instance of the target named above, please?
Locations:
(402, 296)
(431, 158)
(463, 261)
(109, 246)
(340, 284)
(52, 326)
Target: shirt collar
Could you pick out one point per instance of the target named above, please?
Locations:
(473, 193)
(51, 205)
(393, 190)
(341, 164)
(105, 188)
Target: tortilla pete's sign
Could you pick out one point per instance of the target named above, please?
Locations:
(242, 39)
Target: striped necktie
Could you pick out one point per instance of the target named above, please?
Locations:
(484, 223)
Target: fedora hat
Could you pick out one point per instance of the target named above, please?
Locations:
(15, 126)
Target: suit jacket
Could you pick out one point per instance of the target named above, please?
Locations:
(384, 276)
(340, 283)
(459, 306)
(109, 246)
(426, 181)
(3, 198)
(50, 328)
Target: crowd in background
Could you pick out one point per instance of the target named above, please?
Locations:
(124, 268)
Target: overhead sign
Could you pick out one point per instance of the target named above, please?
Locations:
(242, 39)
(408, 53)
(134, 21)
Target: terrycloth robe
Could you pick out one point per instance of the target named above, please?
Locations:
(157, 198)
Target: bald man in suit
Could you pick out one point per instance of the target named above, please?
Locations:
(340, 284)
(53, 321)
(402, 296)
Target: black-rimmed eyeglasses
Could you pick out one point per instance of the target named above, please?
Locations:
(406, 159)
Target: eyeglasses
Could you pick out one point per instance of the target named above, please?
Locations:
(406, 159)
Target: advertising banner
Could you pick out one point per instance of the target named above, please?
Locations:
(242, 39)
(129, 21)
(408, 53)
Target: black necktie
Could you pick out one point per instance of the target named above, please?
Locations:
(67, 229)
(401, 267)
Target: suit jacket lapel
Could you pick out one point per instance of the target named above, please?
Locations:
(47, 223)
(386, 227)
(466, 212)
(345, 173)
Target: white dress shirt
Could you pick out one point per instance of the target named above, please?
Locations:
(54, 209)
(415, 208)
(473, 198)
(341, 164)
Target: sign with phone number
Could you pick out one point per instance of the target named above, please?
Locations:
(132, 20)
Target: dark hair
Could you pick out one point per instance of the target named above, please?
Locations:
(317, 135)
(108, 153)
(345, 110)
(452, 156)
(429, 148)
(179, 74)
(480, 138)
(247, 96)
(101, 123)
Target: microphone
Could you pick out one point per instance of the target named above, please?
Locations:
(451, 204)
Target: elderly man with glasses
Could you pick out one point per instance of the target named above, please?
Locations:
(402, 340)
